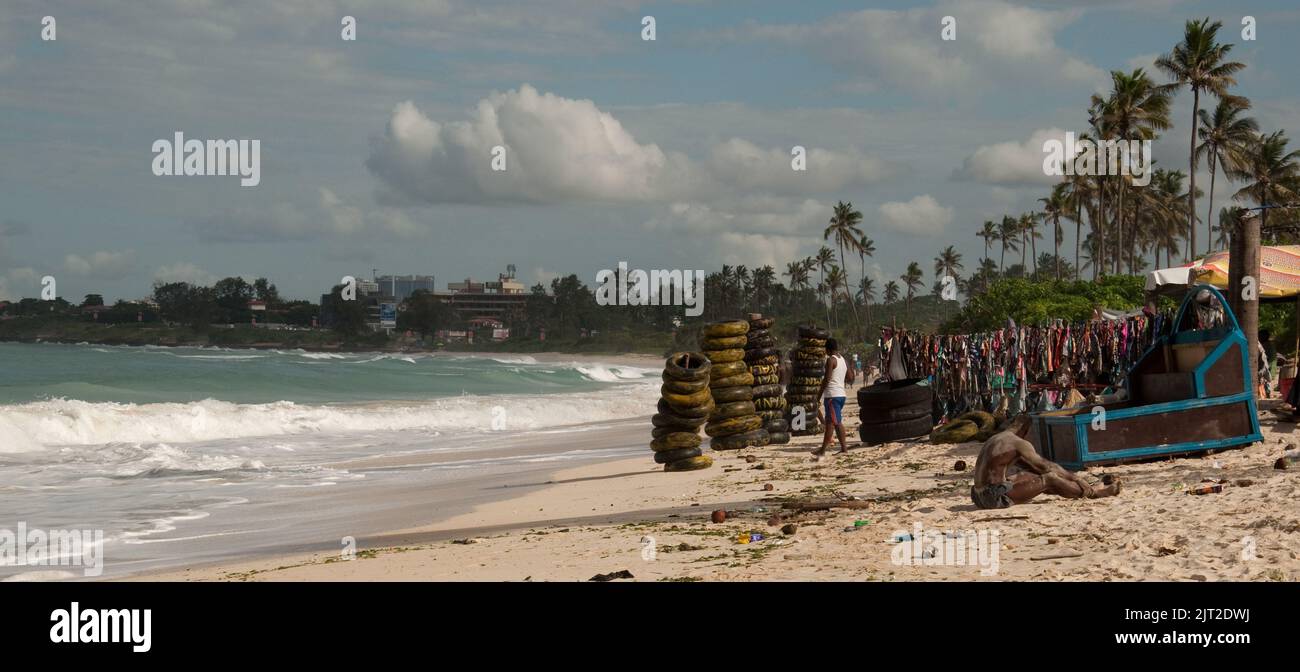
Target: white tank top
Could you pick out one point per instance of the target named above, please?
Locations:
(835, 388)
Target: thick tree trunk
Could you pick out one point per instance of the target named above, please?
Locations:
(1209, 213)
(1249, 316)
(1191, 174)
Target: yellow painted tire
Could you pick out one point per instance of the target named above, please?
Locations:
(726, 343)
(687, 366)
(677, 440)
(734, 409)
(763, 369)
(700, 411)
(746, 379)
(726, 329)
(690, 464)
(724, 356)
(683, 386)
(744, 423)
(957, 431)
(724, 395)
(677, 422)
(767, 380)
(756, 437)
(685, 400)
(727, 369)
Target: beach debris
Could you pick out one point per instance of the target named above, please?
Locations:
(789, 528)
(960, 465)
(899, 538)
(1057, 556)
(751, 458)
(813, 505)
(768, 487)
(751, 538)
(798, 556)
(620, 574)
(1289, 459)
(861, 523)
(464, 541)
(719, 516)
(774, 521)
(760, 465)
(1244, 482)
(1107, 479)
(985, 520)
(1206, 489)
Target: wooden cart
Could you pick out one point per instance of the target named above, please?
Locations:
(1187, 394)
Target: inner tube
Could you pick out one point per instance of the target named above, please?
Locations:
(724, 356)
(676, 440)
(756, 437)
(687, 366)
(725, 343)
(727, 369)
(745, 378)
(732, 410)
(767, 391)
(759, 353)
(755, 334)
(957, 431)
(724, 395)
(764, 342)
(670, 456)
(683, 386)
(763, 369)
(726, 329)
(698, 411)
(677, 422)
(761, 323)
(813, 332)
(688, 400)
(690, 464)
(766, 380)
(727, 426)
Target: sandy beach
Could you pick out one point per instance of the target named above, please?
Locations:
(627, 514)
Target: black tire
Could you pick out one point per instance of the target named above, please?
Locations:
(746, 379)
(764, 342)
(764, 369)
(729, 426)
(813, 332)
(759, 353)
(755, 334)
(728, 369)
(895, 394)
(810, 343)
(699, 397)
(778, 438)
(726, 343)
(675, 441)
(884, 432)
(666, 456)
(700, 411)
(761, 323)
(761, 391)
(726, 395)
(726, 329)
(757, 437)
(779, 425)
(687, 366)
(772, 379)
(683, 386)
(724, 356)
(733, 409)
(677, 422)
(690, 464)
(870, 415)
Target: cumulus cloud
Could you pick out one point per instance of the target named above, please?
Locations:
(1011, 162)
(900, 48)
(103, 264)
(328, 217)
(566, 150)
(16, 282)
(184, 272)
(921, 215)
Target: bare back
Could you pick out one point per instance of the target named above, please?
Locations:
(998, 454)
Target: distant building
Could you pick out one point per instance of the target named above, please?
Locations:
(401, 287)
(481, 302)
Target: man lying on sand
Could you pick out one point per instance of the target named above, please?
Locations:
(1030, 475)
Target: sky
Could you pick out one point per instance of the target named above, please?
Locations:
(376, 153)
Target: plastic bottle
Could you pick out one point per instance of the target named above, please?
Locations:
(1206, 489)
(861, 523)
(1289, 460)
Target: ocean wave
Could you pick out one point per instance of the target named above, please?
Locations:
(64, 422)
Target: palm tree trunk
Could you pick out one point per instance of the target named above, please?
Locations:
(1191, 174)
(1099, 264)
(1209, 213)
(1056, 239)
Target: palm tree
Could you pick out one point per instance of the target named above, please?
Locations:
(1200, 63)
(1054, 206)
(1029, 234)
(1224, 137)
(836, 283)
(867, 294)
(1136, 109)
(989, 233)
(798, 276)
(866, 248)
(1229, 217)
(844, 226)
(947, 263)
(1008, 231)
(1272, 171)
(823, 263)
(891, 292)
(911, 278)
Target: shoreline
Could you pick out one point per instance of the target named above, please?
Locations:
(1152, 531)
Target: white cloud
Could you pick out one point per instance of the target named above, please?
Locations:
(102, 264)
(18, 281)
(1011, 162)
(566, 150)
(921, 215)
(329, 218)
(184, 272)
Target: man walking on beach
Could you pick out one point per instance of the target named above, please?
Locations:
(831, 412)
(1030, 474)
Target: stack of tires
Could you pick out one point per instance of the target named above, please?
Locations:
(898, 409)
(802, 394)
(684, 405)
(764, 362)
(734, 422)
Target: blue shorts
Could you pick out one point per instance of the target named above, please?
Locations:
(834, 410)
